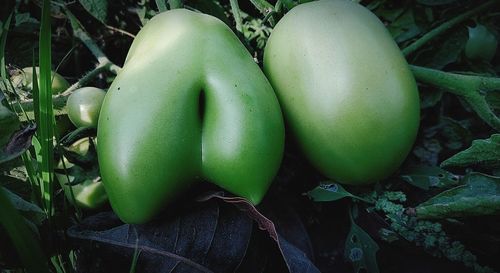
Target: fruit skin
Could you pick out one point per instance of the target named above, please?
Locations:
(84, 105)
(481, 45)
(87, 195)
(154, 137)
(345, 89)
(25, 79)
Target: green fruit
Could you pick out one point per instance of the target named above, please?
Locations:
(9, 123)
(482, 44)
(345, 89)
(190, 102)
(89, 194)
(84, 105)
(25, 80)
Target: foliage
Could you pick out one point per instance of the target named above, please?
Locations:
(441, 205)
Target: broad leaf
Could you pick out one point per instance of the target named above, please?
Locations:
(18, 144)
(435, 2)
(210, 238)
(328, 192)
(479, 196)
(29, 210)
(425, 177)
(296, 260)
(361, 250)
(483, 152)
(98, 8)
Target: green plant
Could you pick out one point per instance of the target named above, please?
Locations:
(84, 105)
(481, 45)
(81, 183)
(24, 79)
(346, 91)
(209, 114)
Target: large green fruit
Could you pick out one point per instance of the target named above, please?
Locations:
(189, 103)
(345, 89)
(24, 79)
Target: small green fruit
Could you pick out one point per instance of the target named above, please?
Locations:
(84, 106)
(24, 79)
(90, 194)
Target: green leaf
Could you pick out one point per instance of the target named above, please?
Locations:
(493, 99)
(161, 5)
(22, 18)
(425, 177)
(449, 51)
(328, 192)
(98, 8)
(29, 210)
(212, 7)
(479, 196)
(483, 152)
(23, 239)
(435, 2)
(361, 249)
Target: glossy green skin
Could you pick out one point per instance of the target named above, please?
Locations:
(84, 105)
(89, 194)
(346, 91)
(153, 139)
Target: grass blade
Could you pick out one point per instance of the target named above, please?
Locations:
(46, 132)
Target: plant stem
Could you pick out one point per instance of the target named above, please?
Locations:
(444, 27)
(265, 8)
(469, 87)
(235, 8)
(175, 4)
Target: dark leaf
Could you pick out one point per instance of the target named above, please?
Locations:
(483, 152)
(449, 51)
(493, 99)
(361, 250)
(18, 144)
(435, 2)
(210, 238)
(425, 177)
(98, 8)
(295, 259)
(30, 211)
(479, 196)
(213, 8)
(329, 192)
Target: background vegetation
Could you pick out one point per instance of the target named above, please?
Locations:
(438, 213)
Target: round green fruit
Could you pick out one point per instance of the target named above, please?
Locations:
(89, 194)
(345, 89)
(84, 105)
(482, 44)
(24, 79)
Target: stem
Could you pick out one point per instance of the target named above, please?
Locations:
(469, 87)
(59, 100)
(175, 4)
(237, 15)
(161, 5)
(90, 76)
(265, 8)
(444, 27)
